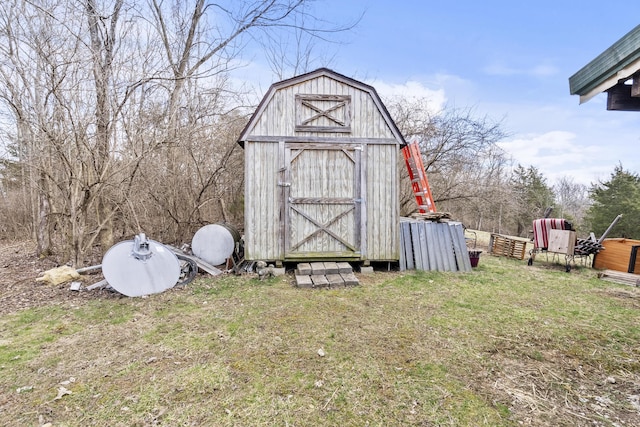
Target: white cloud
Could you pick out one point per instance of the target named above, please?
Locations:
(411, 89)
(251, 75)
(543, 70)
(501, 69)
(556, 154)
(498, 69)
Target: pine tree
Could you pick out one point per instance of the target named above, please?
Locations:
(619, 195)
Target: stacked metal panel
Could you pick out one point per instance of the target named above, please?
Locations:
(433, 246)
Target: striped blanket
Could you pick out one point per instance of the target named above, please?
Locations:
(541, 228)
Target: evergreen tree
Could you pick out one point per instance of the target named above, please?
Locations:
(619, 195)
(531, 197)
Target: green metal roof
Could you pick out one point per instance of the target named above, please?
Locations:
(607, 65)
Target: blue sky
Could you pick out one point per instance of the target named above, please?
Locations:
(508, 60)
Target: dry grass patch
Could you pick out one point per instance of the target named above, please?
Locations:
(504, 345)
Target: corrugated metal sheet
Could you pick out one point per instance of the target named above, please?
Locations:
(433, 246)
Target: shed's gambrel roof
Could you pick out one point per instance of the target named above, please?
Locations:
(320, 72)
(618, 63)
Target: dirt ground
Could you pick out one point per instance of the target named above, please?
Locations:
(19, 268)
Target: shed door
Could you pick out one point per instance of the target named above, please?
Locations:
(322, 202)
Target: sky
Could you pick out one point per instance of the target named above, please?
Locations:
(507, 60)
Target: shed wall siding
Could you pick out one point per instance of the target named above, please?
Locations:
(262, 202)
(279, 222)
(278, 117)
(382, 210)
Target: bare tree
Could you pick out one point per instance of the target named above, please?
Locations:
(303, 45)
(104, 36)
(572, 200)
(123, 118)
(33, 92)
(199, 45)
(465, 167)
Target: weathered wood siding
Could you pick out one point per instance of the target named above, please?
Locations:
(262, 201)
(323, 185)
(278, 117)
(382, 207)
(321, 177)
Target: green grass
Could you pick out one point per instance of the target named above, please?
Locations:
(502, 346)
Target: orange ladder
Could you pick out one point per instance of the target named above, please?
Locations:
(419, 181)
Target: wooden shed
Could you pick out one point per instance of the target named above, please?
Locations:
(619, 254)
(321, 173)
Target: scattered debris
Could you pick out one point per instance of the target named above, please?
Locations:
(59, 275)
(200, 263)
(98, 285)
(127, 265)
(264, 271)
(89, 269)
(620, 277)
(62, 391)
(143, 266)
(634, 400)
(71, 380)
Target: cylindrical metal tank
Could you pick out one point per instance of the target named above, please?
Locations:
(214, 243)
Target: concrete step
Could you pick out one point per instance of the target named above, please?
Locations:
(325, 275)
(323, 268)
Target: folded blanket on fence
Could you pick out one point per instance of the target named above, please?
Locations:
(541, 229)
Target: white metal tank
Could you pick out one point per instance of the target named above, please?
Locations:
(140, 267)
(214, 243)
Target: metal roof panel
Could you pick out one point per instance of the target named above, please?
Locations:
(607, 65)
